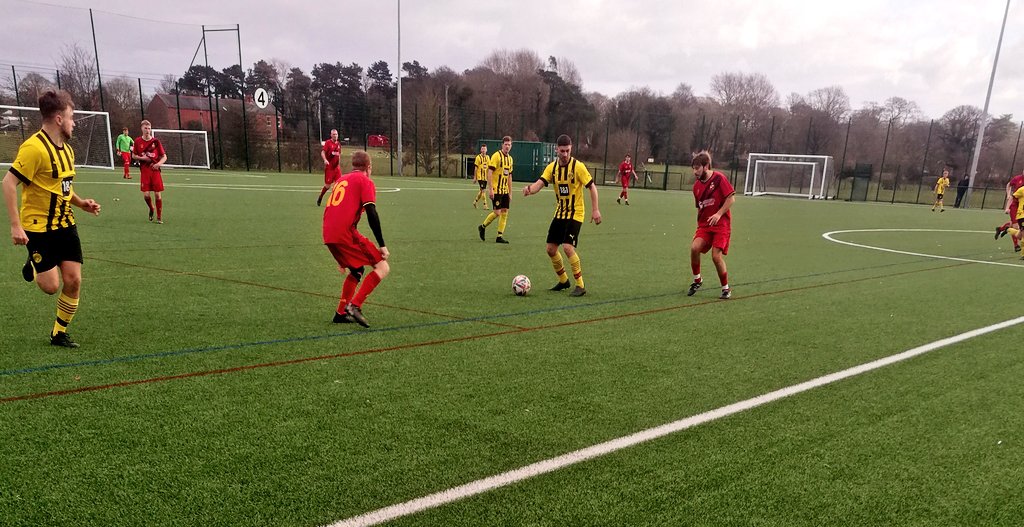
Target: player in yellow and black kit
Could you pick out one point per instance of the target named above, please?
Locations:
(480, 165)
(45, 165)
(499, 189)
(940, 189)
(568, 177)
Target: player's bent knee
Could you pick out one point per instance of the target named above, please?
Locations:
(382, 268)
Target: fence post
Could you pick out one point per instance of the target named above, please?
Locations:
(142, 108)
(668, 146)
(416, 140)
(607, 132)
(58, 79)
(735, 139)
(177, 107)
(278, 129)
(440, 139)
(895, 184)
(309, 139)
(391, 137)
(807, 142)
(95, 50)
(1016, 146)
(220, 135)
(881, 168)
(17, 100)
(771, 136)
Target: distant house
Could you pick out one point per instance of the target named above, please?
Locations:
(196, 113)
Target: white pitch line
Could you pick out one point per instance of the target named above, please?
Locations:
(828, 236)
(601, 449)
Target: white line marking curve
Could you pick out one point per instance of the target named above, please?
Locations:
(829, 236)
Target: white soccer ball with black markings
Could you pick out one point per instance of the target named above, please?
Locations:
(521, 285)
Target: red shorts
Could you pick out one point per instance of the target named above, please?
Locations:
(331, 174)
(714, 238)
(357, 253)
(126, 157)
(152, 180)
(625, 181)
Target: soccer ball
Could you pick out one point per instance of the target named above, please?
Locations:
(521, 285)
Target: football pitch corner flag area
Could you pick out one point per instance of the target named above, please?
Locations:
(211, 387)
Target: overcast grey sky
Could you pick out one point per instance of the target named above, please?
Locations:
(935, 53)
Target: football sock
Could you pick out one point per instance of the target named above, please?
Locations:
(556, 263)
(159, 208)
(489, 219)
(369, 284)
(149, 202)
(577, 269)
(502, 221)
(1005, 226)
(66, 307)
(348, 288)
(724, 279)
(697, 278)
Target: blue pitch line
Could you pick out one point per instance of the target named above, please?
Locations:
(311, 338)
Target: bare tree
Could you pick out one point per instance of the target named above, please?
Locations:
(832, 101)
(750, 96)
(31, 86)
(168, 84)
(900, 111)
(78, 75)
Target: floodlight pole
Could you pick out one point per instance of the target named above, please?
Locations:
(984, 113)
(96, 52)
(399, 17)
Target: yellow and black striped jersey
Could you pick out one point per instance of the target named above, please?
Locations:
(481, 162)
(941, 185)
(502, 165)
(48, 172)
(569, 182)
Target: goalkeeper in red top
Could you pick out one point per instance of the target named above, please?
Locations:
(626, 172)
(714, 197)
(331, 154)
(150, 154)
(354, 193)
(1012, 206)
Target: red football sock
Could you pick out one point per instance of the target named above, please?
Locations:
(159, 208)
(695, 266)
(723, 278)
(149, 202)
(1005, 226)
(348, 288)
(369, 284)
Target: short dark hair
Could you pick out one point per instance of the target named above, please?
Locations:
(563, 140)
(701, 159)
(360, 160)
(53, 102)
(506, 139)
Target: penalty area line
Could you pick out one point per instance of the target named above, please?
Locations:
(601, 449)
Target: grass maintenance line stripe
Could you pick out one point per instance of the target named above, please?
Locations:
(601, 449)
(392, 348)
(243, 345)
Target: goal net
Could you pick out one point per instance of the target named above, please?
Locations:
(788, 175)
(185, 148)
(92, 142)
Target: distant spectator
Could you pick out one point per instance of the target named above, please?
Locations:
(961, 189)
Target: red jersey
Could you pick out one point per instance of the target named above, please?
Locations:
(332, 151)
(1016, 182)
(625, 169)
(352, 192)
(152, 149)
(709, 196)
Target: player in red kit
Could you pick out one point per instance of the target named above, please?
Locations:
(150, 154)
(626, 172)
(354, 193)
(1011, 208)
(714, 197)
(331, 154)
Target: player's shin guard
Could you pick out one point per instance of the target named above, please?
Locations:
(577, 269)
(149, 202)
(489, 219)
(723, 278)
(159, 209)
(556, 263)
(502, 222)
(66, 308)
(368, 286)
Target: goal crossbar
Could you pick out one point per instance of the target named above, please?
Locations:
(819, 164)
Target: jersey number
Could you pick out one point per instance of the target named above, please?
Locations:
(563, 190)
(339, 193)
(65, 187)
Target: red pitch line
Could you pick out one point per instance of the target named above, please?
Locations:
(414, 345)
(299, 291)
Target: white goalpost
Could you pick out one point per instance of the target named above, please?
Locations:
(797, 175)
(91, 141)
(185, 148)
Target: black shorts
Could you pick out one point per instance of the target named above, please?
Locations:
(483, 184)
(939, 196)
(500, 201)
(564, 231)
(48, 249)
